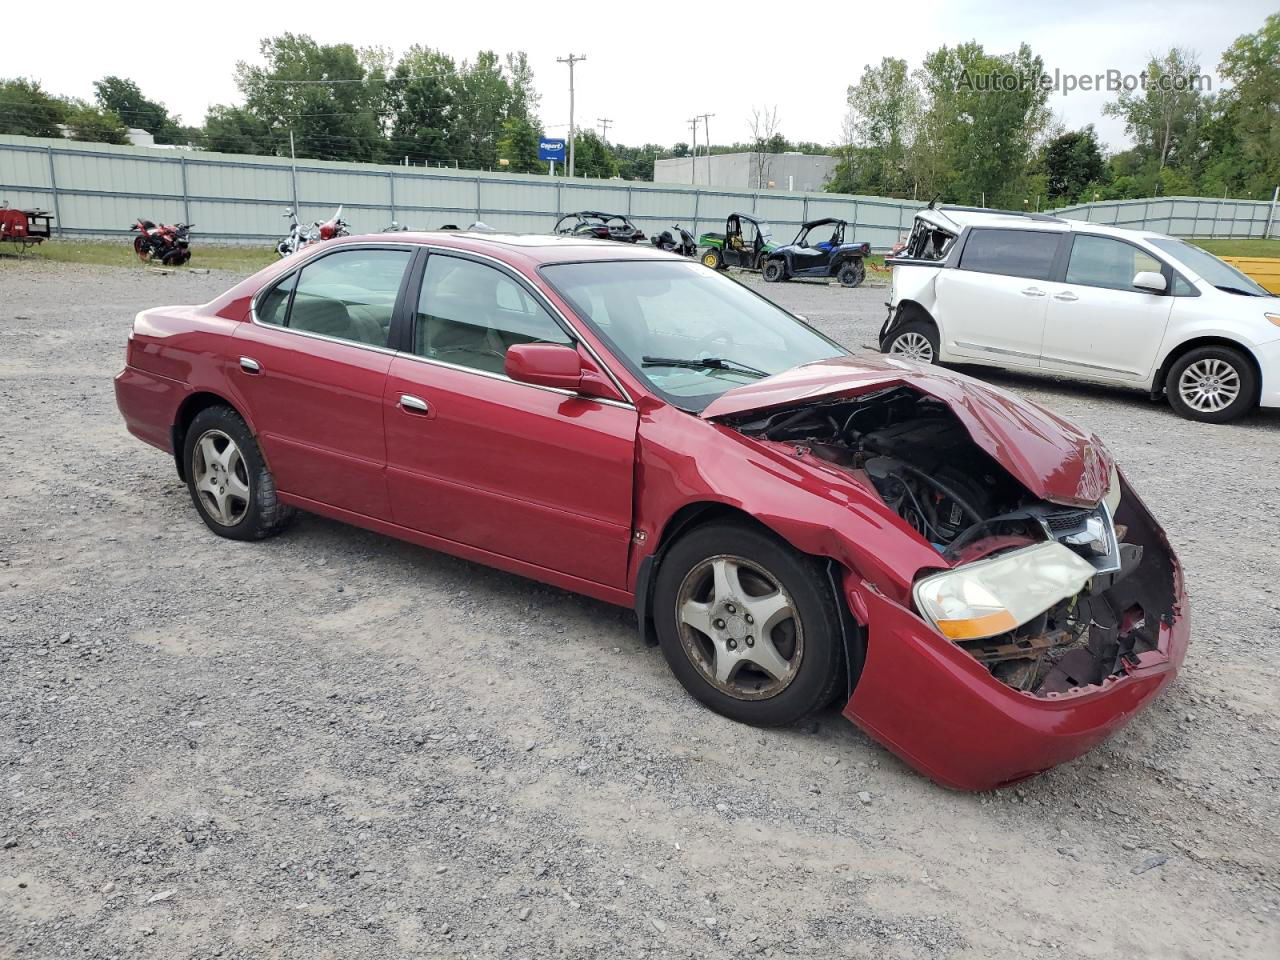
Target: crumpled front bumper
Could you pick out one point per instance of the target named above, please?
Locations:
(942, 712)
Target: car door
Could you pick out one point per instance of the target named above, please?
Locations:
(1098, 324)
(539, 475)
(312, 369)
(992, 305)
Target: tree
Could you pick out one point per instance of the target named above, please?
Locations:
(1072, 162)
(519, 145)
(1251, 111)
(94, 125)
(236, 130)
(123, 98)
(1164, 114)
(763, 124)
(331, 96)
(983, 117)
(592, 156)
(482, 97)
(420, 100)
(27, 111)
(884, 108)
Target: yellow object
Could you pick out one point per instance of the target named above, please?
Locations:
(1265, 270)
(977, 627)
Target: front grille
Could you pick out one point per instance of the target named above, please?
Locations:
(1067, 522)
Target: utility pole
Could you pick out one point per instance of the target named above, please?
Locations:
(571, 59)
(693, 152)
(707, 129)
(604, 128)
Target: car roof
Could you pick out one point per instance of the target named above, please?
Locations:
(953, 218)
(526, 249)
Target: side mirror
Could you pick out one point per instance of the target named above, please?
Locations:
(544, 365)
(1150, 281)
(558, 366)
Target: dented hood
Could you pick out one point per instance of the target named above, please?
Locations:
(1054, 459)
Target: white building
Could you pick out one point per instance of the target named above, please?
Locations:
(804, 172)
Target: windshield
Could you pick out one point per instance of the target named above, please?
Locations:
(690, 332)
(1209, 267)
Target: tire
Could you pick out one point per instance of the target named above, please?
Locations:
(852, 273)
(764, 573)
(215, 490)
(140, 249)
(914, 340)
(712, 258)
(775, 271)
(1212, 385)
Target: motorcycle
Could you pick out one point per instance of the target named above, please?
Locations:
(170, 244)
(686, 246)
(297, 237)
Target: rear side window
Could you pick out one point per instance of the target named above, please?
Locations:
(1012, 253)
(350, 295)
(1104, 262)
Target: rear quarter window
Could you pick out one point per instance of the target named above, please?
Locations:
(1011, 253)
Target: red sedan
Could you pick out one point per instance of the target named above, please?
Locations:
(968, 573)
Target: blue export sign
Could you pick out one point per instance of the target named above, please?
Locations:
(551, 150)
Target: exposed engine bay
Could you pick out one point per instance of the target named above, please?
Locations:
(918, 458)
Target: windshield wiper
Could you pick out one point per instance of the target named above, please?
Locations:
(703, 363)
(1229, 289)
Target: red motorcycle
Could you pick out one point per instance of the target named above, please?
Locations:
(169, 244)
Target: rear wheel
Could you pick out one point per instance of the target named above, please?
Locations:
(852, 273)
(747, 625)
(1212, 384)
(712, 258)
(775, 271)
(914, 340)
(230, 485)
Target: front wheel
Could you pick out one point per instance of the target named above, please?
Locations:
(748, 625)
(775, 271)
(712, 258)
(1212, 385)
(914, 340)
(852, 273)
(141, 248)
(230, 485)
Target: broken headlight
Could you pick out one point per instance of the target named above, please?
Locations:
(993, 596)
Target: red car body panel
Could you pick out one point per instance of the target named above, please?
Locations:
(1052, 457)
(579, 491)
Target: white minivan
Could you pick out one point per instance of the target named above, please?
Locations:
(1087, 301)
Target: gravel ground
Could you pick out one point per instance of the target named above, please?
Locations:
(332, 744)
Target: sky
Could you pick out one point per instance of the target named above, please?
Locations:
(649, 67)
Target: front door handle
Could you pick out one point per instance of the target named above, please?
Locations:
(250, 365)
(1032, 292)
(411, 404)
(1066, 296)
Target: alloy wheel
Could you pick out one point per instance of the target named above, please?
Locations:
(913, 346)
(221, 478)
(1209, 385)
(739, 627)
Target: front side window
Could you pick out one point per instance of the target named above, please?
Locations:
(349, 295)
(1104, 262)
(470, 314)
(1222, 275)
(1011, 253)
(690, 332)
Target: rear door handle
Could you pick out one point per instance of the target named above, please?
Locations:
(1066, 296)
(411, 404)
(250, 365)
(1032, 292)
